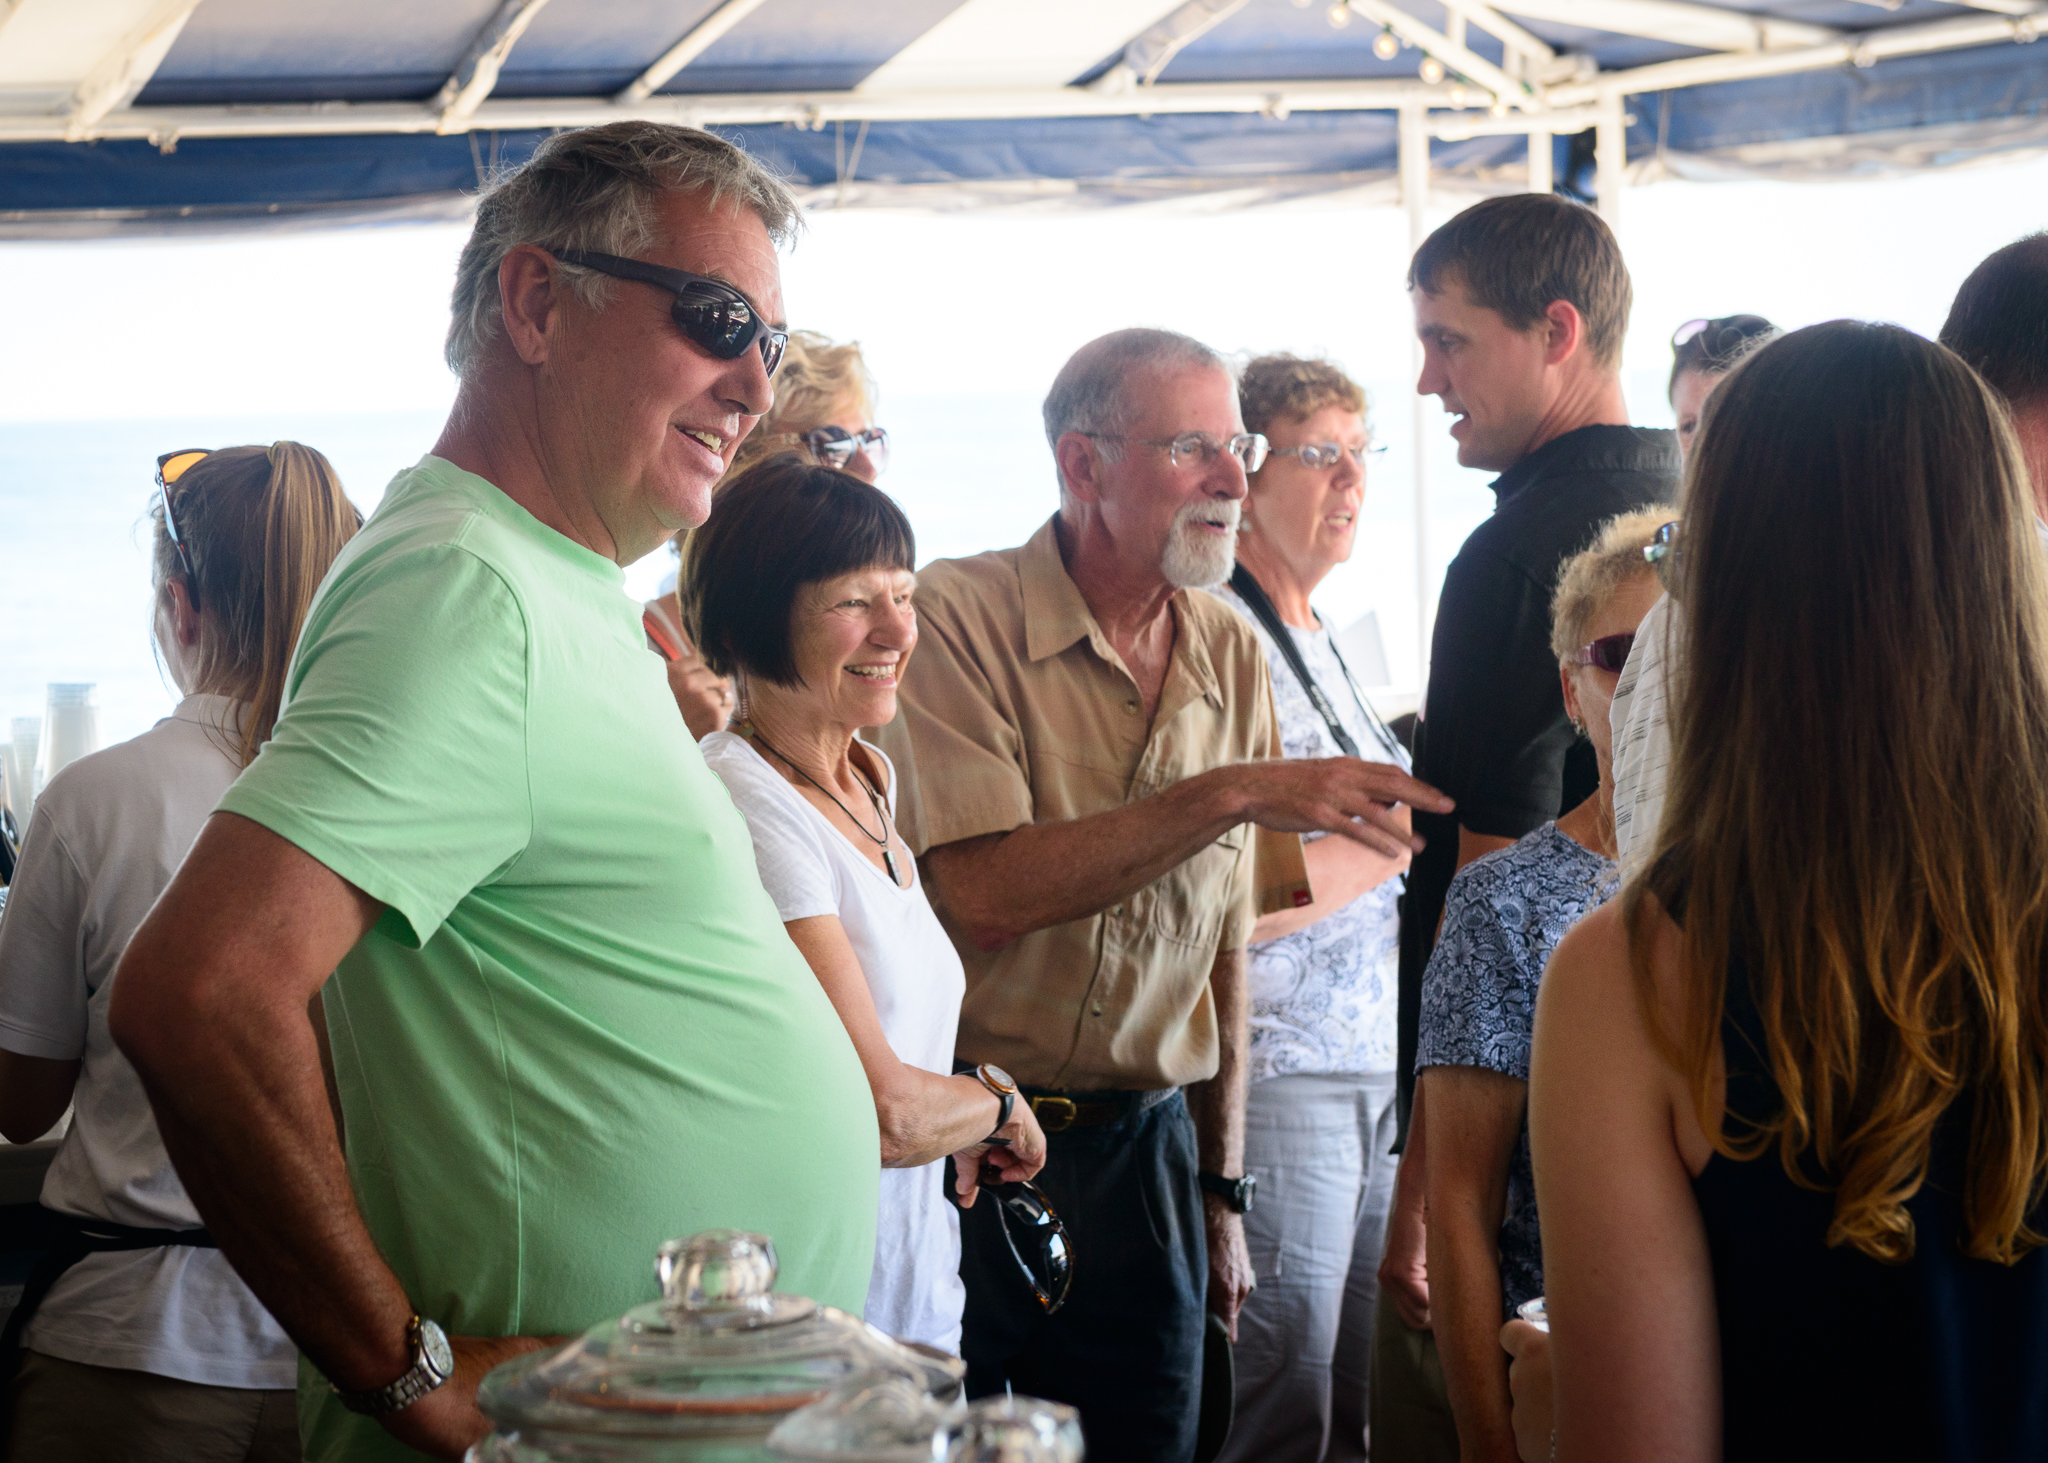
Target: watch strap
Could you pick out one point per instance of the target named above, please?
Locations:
(1236, 1193)
(422, 1377)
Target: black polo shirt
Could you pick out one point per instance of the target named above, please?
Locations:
(1493, 733)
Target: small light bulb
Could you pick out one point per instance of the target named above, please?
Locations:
(1386, 46)
(1457, 96)
(1432, 70)
(1340, 15)
(1499, 108)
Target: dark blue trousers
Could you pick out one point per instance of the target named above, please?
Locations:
(1126, 1349)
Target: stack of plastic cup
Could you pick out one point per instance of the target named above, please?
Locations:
(21, 768)
(70, 731)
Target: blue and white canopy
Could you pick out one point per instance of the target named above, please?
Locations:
(120, 115)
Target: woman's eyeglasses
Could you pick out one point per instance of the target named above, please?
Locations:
(1662, 555)
(836, 447)
(169, 468)
(711, 314)
(1608, 653)
(1317, 456)
(1037, 1239)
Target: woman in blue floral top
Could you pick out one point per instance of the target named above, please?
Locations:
(1319, 1119)
(1503, 916)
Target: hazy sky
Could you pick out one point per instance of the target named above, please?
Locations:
(964, 318)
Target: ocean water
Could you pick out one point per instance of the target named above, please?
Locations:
(972, 471)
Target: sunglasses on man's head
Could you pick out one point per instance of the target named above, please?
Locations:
(712, 315)
(1608, 653)
(836, 447)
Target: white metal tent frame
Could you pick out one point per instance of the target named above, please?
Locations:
(1012, 59)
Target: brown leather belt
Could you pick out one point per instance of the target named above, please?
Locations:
(1058, 1111)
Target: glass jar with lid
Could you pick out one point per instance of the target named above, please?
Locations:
(702, 1375)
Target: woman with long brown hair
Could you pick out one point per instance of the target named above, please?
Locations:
(134, 1338)
(1789, 1100)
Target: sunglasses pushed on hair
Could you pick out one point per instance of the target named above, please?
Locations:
(169, 468)
(712, 315)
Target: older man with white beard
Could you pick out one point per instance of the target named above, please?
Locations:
(1093, 781)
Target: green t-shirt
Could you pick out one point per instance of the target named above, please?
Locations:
(579, 1028)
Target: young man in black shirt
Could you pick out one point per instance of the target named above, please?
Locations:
(1521, 304)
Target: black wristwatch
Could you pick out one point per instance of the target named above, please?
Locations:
(1236, 1194)
(996, 1080)
(432, 1364)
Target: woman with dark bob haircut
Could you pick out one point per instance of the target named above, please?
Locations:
(1789, 1097)
(798, 586)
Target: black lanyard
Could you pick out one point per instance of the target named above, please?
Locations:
(1255, 597)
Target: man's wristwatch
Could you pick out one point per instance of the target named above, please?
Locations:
(433, 1363)
(1236, 1194)
(996, 1080)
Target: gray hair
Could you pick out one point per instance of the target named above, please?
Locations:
(595, 188)
(1089, 394)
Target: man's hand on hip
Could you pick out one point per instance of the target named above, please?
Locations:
(1231, 1280)
(1344, 795)
(445, 1422)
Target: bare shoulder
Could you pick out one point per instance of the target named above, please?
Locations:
(1589, 1000)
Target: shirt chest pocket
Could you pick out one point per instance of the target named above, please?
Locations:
(1189, 905)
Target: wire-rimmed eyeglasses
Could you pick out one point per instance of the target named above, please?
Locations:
(1319, 456)
(1191, 448)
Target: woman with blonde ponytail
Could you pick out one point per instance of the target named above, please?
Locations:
(134, 1338)
(1789, 1100)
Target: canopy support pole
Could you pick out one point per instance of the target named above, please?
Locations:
(1542, 177)
(1610, 158)
(1414, 168)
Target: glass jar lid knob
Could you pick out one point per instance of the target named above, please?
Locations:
(718, 1270)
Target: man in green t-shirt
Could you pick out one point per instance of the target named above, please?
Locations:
(565, 1021)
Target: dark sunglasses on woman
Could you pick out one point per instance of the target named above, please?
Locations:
(1037, 1239)
(712, 315)
(1608, 653)
(835, 446)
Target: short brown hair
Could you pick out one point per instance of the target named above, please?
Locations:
(780, 525)
(1999, 321)
(1282, 387)
(1515, 255)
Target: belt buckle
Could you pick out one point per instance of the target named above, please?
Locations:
(1054, 1114)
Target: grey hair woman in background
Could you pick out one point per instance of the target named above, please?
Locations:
(1503, 916)
(798, 587)
(1319, 1118)
(155, 1348)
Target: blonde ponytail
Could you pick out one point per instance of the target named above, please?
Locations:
(261, 527)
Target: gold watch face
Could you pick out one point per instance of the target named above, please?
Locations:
(997, 1078)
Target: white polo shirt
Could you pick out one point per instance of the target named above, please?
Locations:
(107, 835)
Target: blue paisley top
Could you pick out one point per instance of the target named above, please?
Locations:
(1323, 997)
(1503, 916)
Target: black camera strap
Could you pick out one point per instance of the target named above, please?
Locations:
(1261, 604)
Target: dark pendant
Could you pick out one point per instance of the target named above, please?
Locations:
(889, 863)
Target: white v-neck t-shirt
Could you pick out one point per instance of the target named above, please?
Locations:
(108, 833)
(914, 974)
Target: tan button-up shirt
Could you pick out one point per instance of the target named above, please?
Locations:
(1015, 710)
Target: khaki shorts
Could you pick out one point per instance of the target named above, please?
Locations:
(68, 1412)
